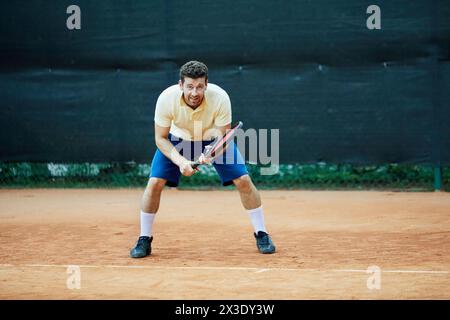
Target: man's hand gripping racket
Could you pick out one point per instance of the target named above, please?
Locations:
(218, 147)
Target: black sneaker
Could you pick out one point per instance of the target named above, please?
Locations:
(264, 242)
(143, 247)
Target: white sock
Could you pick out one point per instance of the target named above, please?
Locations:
(147, 224)
(257, 217)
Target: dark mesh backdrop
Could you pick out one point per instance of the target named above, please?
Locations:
(337, 91)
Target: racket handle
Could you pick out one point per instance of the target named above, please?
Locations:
(195, 165)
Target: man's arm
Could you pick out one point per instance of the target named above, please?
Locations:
(167, 148)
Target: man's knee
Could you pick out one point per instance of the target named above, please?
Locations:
(155, 185)
(244, 183)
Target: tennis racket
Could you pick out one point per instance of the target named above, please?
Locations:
(219, 145)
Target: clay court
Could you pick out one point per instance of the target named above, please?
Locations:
(326, 242)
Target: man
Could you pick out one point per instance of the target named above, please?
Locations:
(187, 114)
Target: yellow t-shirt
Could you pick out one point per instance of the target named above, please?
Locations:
(188, 124)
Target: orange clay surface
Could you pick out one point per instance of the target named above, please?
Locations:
(204, 248)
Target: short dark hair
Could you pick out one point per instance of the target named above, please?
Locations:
(194, 70)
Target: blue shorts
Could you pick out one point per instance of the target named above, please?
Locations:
(229, 166)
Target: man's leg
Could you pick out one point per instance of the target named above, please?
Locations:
(150, 204)
(235, 172)
(152, 195)
(149, 207)
(250, 197)
(251, 200)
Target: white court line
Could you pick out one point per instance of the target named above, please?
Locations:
(262, 270)
(398, 271)
(257, 270)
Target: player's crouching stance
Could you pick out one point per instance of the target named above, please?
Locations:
(178, 109)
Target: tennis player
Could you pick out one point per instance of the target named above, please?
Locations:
(187, 117)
